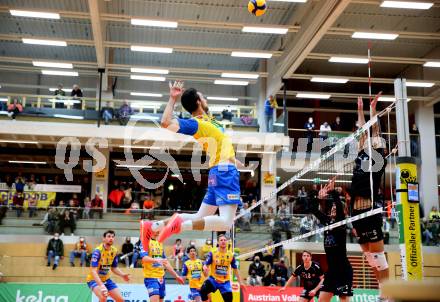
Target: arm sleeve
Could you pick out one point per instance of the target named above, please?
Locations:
(297, 271)
(115, 262)
(184, 270)
(187, 126)
(208, 259)
(96, 255)
(319, 270)
(233, 263)
(143, 252)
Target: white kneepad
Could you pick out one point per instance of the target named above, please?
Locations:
(380, 261)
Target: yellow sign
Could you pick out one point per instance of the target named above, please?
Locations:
(101, 174)
(43, 198)
(268, 179)
(409, 223)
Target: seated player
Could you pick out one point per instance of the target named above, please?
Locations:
(193, 271)
(104, 260)
(338, 279)
(369, 230)
(311, 277)
(154, 263)
(223, 181)
(218, 266)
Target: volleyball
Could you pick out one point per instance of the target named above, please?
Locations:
(257, 7)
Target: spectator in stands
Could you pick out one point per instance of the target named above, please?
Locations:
(68, 220)
(136, 254)
(73, 208)
(206, 248)
(55, 249)
(4, 105)
(32, 206)
(324, 131)
(53, 217)
(127, 251)
(178, 250)
(18, 201)
(257, 267)
(245, 220)
(269, 105)
(227, 114)
(254, 279)
(148, 206)
(414, 140)
(59, 94)
(309, 126)
(337, 126)
(80, 251)
(124, 113)
(77, 94)
(87, 207)
(97, 206)
(271, 278)
(107, 113)
(434, 214)
(19, 184)
(281, 272)
(3, 207)
(306, 226)
(14, 108)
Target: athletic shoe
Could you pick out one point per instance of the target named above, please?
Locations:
(54, 266)
(146, 233)
(172, 227)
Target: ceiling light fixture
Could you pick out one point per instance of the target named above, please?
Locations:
(420, 84)
(376, 36)
(228, 82)
(407, 4)
(150, 70)
(134, 166)
(60, 73)
(432, 64)
(265, 30)
(31, 14)
(329, 80)
(18, 142)
(147, 78)
(153, 95)
(44, 42)
(140, 147)
(154, 23)
(247, 54)
(352, 60)
(240, 75)
(27, 162)
(151, 49)
(52, 64)
(221, 98)
(306, 95)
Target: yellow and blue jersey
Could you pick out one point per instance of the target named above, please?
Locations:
(104, 260)
(211, 136)
(220, 265)
(193, 270)
(152, 269)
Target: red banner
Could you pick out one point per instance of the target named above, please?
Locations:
(270, 294)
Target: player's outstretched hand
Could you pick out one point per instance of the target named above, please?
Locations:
(360, 103)
(176, 89)
(375, 100)
(312, 293)
(282, 289)
(180, 280)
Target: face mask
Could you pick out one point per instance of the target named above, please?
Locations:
(257, 261)
(56, 238)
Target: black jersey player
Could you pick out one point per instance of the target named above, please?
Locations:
(311, 277)
(369, 230)
(338, 280)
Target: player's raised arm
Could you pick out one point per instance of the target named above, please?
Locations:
(168, 121)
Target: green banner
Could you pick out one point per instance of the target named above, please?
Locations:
(34, 292)
(362, 295)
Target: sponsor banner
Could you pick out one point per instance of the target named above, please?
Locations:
(138, 293)
(30, 292)
(58, 188)
(409, 224)
(270, 294)
(268, 179)
(273, 294)
(43, 198)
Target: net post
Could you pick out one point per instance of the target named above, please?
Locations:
(407, 195)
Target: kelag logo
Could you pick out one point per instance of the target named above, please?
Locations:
(40, 298)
